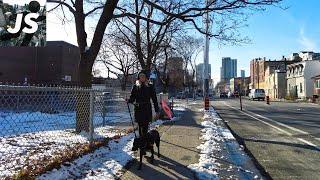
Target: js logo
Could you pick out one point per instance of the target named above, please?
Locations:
(26, 21)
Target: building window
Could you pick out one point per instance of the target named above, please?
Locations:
(318, 83)
(301, 70)
(300, 87)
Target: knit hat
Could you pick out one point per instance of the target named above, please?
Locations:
(145, 72)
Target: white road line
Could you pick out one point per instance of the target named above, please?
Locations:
(275, 127)
(281, 124)
(309, 143)
(284, 125)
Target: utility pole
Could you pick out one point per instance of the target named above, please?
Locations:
(206, 54)
(206, 60)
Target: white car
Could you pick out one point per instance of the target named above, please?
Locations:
(257, 94)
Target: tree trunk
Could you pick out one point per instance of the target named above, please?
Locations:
(83, 98)
(123, 84)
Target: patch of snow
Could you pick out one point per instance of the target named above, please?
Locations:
(179, 108)
(104, 163)
(212, 135)
(19, 150)
(12, 123)
(107, 162)
(27, 136)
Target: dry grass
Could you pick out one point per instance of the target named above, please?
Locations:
(41, 166)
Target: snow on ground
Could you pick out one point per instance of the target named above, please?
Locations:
(212, 135)
(14, 123)
(107, 162)
(29, 136)
(21, 150)
(179, 108)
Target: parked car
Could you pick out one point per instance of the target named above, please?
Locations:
(257, 94)
(223, 95)
(230, 94)
(180, 95)
(233, 94)
(211, 96)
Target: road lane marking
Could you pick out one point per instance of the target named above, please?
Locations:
(281, 124)
(309, 143)
(275, 127)
(284, 125)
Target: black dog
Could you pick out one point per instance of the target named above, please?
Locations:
(146, 143)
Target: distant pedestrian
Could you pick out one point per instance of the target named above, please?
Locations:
(141, 94)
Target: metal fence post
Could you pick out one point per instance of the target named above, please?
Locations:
(91, 128)
(104, 111)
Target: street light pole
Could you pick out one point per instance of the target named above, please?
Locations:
(206, 61)
(206, 55)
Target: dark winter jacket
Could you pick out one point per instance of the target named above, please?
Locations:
(140, 97)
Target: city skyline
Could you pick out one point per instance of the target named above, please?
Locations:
(228, 69)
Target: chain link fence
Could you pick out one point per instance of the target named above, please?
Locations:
(39, 125)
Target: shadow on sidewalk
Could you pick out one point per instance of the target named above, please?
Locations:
(176, 150)
(162, 168)
(186, 148)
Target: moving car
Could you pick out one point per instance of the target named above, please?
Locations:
(257, 94)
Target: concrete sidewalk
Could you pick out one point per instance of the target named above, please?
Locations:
(179, 140)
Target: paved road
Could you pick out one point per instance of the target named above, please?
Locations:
(283, 137)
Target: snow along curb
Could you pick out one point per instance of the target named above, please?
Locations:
(212, 134)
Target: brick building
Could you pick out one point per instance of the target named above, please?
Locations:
(240, 85)
(260, 68)
(57, 63)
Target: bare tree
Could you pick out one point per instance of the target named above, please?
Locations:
(188, 11)
(189, 48)
(165, 12)
(144, 37)
(119, 60)
(161, 66)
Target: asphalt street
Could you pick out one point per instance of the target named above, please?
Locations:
(284, 138)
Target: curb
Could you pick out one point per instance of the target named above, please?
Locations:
(246, 150)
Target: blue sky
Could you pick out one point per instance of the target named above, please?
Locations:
(274, 33)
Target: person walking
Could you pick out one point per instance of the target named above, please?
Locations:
(141, 93)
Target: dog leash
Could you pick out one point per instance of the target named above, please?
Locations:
(135, 135)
